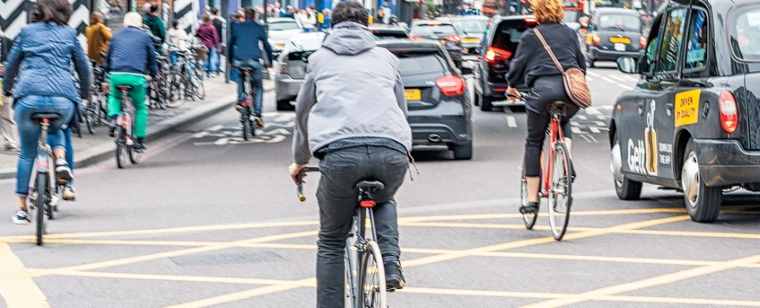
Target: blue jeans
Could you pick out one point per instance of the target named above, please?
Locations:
(212, 62)
(29, 132)
(256, 82)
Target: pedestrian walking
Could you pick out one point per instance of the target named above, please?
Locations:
(7, 125)
(219, 25)
(206, 33)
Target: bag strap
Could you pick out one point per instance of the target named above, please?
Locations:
(549, 50)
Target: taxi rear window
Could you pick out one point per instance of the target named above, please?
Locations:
(745, 34)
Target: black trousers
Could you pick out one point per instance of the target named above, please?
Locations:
(341, 171)
(546, 90)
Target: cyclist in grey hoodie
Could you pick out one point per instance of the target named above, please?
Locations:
(351, 114)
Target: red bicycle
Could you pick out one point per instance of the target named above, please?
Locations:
(556, 178)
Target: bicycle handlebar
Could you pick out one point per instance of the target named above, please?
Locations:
(299, 184)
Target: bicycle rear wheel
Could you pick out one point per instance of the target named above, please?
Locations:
(560, 197)
(121, 149)
(529, 219)
(372, 289)
(39, 203)
(246, 122)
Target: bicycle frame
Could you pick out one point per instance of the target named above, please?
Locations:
(124, 120)
(556, 135)
(363, 217)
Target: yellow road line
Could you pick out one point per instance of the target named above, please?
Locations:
(16, 284)
(182, 278)
(175, 253)
(517, 215)
(649, 282)
(238, 296)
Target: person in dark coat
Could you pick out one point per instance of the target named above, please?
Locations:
(533, 68)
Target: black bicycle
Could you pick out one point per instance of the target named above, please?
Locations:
(45, 185)
(93, 112)
(125, 142)
(364, 269)
(244, 106)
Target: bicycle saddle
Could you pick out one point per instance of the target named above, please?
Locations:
(50, 116)
(370, 186)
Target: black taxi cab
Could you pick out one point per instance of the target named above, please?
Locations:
(691, 123)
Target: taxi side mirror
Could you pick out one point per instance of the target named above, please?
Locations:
(628, 65)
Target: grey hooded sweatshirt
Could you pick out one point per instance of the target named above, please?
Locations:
(352, 89)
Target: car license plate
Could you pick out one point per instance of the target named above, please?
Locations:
(620, 47)
(471, 40)
(413, 94)
(620, 40)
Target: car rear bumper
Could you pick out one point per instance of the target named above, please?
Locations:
(286, 87)
(610, 55)
(726, 163)
(432, 128)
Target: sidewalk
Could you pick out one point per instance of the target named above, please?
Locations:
(93, 148)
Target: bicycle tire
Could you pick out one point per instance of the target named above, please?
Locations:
(134, 157)
(87, 117)
(246, 122)
(39, 203)
(562, 184)
(372, 288)
(528, 219)
(121, 147)
(49, 203)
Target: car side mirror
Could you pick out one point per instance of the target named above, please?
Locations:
(628, 65)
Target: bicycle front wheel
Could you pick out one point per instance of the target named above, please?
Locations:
(560, 197)
(372, 289)
(41, 189)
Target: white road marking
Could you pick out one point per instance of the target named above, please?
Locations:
(581, 117)
(594, 130)
(576, 130)
(511, 121)
(600, 123)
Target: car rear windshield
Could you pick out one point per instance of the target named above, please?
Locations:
(745, 34)
(434, 30)
(283, 26)
(389, 34)
(472, 26)
(619, 22)
(508, 34)
(421, 63)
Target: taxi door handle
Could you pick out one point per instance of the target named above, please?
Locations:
(669, 109)
(641, 108)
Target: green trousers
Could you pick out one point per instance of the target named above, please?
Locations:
(137, 94)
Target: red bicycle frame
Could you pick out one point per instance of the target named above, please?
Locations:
(555, 135)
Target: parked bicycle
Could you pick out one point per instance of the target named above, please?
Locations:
(45, 186)
(364, 269)
(556, 178)
(125, 141)
(93, 112)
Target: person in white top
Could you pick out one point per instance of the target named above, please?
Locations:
(177, 39)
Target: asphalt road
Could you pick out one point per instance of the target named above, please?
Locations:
(209, 220)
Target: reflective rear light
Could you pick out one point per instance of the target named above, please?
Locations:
(494, 55)
(450, 85)
(642, 42)
(729, 113)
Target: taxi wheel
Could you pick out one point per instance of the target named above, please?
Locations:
(702, 202)
(284, 105)
(625, 188)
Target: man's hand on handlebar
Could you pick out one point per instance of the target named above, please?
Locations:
(513, 93)
(296, 172)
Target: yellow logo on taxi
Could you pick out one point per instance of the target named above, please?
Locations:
(687, 107)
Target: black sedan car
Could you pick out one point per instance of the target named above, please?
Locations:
(614, 33)
(386, 32)
(691, 123)
(499, 45)
(444, 32)
(439, 109)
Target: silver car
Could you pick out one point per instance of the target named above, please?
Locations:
(280, 31)
(290, 67)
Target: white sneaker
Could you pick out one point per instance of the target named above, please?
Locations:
(21, 218)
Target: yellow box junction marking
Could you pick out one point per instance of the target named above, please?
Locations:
(687, 107)
(16, 284)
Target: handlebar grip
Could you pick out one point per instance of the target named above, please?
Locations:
(301, 196)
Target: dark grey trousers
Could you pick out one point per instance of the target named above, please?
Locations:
(341, 171)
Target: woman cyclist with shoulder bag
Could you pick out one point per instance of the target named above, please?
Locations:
(534, 68)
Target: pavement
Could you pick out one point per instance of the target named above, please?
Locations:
(92, 148)
(208, 220)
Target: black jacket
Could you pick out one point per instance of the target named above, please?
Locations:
(532, 61)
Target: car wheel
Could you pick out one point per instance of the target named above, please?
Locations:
(625, 188)
(284, 105)
(702, 202)
(463, 151)
(485, 103)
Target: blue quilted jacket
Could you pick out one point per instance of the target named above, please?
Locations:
(40, 63)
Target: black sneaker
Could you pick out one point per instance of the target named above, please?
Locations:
(394, 276)
(531, 208)
(62, 171)
(139, 147)
(21, 218)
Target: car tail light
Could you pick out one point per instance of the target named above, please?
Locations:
(453, 38)
(729, 113)
(450, 85)
(642, 42)
(494, 55)
(531, 21)
(596, 39)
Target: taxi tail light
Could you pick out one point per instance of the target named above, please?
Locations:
(596, 39)
(453, 38)
(642, 42)
(450, 85)
(729, 113)
(494, 55)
